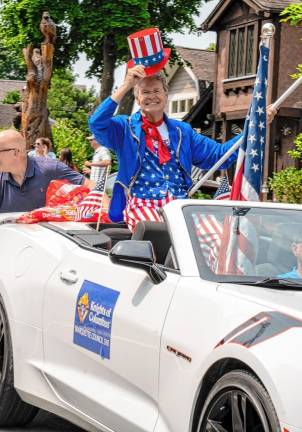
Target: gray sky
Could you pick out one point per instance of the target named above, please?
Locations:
(186, 40)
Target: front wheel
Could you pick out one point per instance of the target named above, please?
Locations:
(13, 411)
(238, 402)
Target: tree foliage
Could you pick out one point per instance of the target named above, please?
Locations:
(19, 26)
(212, 47)
(287, 184)
(292, 14)
(66, 135)
(66, 101)
(12, 97)
(97, 27)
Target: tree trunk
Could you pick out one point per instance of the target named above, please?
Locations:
(35, 123)
(109, 61)
(126, 105)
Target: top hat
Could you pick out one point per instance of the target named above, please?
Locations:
(147, 49)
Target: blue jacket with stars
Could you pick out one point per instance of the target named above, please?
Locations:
(124, 135)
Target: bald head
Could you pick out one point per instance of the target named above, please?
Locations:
(11, 138)
(13, 157)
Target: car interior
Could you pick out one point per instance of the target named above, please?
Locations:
(275, 255)
(110, 234)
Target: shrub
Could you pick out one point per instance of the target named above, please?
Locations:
(12, 97)
(287, 184)
(201, 195)
(66, 135)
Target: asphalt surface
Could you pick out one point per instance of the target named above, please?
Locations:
(46, 422)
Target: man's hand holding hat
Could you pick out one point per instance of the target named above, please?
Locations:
(133, 75)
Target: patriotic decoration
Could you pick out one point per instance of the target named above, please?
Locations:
(144, 210)
(209, 228)
(249, 169)
(89, 208)
(230, 245)
(209, 233)
(239, 244)
(223, 190)
(147, 49)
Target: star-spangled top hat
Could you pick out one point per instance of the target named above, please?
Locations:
(147, 49)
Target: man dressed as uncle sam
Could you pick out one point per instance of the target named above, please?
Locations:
(155, 153)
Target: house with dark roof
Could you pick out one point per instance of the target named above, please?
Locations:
(190, 83)
(238, 26)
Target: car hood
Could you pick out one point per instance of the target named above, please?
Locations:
(286, 301)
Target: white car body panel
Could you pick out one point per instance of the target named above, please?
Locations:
(164, 338)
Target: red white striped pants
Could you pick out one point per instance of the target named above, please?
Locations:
(139, 209)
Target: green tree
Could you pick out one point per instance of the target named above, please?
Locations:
(113, 21)
(66, 101)
(19, 26)
(98, 28)
(66, 135)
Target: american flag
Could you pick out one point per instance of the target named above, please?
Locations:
(139, 209)
(223, 190)
(91, 205)
(209, 227)
(230, 245)
(239, 244)
(249, 168)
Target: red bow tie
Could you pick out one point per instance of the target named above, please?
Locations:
(152, 135)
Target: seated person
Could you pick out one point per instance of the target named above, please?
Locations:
(296, 272)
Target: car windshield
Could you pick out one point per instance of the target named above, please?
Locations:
(246, 244)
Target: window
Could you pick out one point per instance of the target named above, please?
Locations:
(182, 105)
(174, 107)
(244, 243)
(190, 104)
(242, 52)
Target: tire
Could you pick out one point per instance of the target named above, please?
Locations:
(238, 402)
(13, 411)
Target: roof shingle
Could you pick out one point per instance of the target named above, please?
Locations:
(202, 62)
(277, 5)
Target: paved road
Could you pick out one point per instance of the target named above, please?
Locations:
(46, 422)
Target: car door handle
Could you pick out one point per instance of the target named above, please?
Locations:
(69, 276)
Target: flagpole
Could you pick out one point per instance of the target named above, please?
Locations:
(287, 93)
(267, 33)
(108, 168)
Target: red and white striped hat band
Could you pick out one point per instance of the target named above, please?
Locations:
(147, 49)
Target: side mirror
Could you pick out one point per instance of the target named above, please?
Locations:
(139, 254)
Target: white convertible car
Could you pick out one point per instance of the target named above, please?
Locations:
(190, 325)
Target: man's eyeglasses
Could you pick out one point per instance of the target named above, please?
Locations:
(7, 150)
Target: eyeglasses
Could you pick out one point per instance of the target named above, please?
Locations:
(7, 150)
(38, 143)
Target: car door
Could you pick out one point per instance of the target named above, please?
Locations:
(102, 332)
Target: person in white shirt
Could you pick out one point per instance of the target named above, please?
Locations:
(100, 160)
